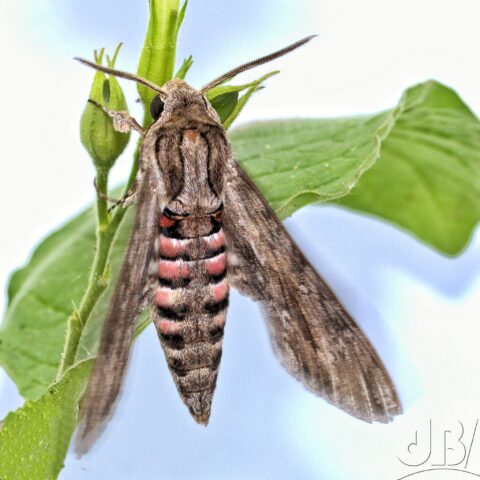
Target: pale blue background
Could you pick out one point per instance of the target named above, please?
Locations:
(420, 309)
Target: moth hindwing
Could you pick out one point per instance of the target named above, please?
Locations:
(201, 227)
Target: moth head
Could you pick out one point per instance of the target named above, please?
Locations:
(178, 96)
(181, 100)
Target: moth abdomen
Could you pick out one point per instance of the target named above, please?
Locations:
(190, 304)
(194, 367)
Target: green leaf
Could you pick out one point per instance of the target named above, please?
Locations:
(222, 89)
(297, 162)
(224, 98)
(34, 439)
(181, 15)
(421, 162)
(111, 61)
(427, 178)
(41, 297)
(184, 68)
(225, 104)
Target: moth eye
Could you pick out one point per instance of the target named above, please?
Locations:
(156, 107)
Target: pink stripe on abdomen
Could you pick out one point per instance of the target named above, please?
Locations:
(216, 265)
(172, 269)
(215, 241)
(171, 247)
(220, 290)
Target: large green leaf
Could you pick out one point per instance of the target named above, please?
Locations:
(425, 155)
(41, 297)
(427, 178)
(34, 439)
(297, 162)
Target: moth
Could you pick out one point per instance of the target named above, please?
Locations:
(201, 228)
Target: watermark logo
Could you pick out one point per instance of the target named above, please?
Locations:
(440, 451)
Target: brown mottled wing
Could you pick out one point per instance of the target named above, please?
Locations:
(109, 369)
(313, 336)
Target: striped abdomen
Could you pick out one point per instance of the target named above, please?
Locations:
(190, 304)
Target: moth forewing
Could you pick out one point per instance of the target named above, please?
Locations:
(117, 333)
(313, 336)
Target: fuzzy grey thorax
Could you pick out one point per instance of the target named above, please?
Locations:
(189, 145)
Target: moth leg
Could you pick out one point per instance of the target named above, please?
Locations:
(125, 201)
(128, 198)
(132, 193)
(103, 195)
(122, 121)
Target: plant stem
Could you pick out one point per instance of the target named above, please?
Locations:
(102, 207)
(98, 280)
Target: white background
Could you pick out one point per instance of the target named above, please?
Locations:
(420, 309)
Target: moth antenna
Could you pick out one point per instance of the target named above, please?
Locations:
(255, 63)
(118, 73)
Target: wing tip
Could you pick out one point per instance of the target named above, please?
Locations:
(87, 434)
(387, 414)
(84, 439)
(375, 416)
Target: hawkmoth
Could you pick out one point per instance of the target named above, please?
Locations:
(201, 227)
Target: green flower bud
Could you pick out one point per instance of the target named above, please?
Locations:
(102, 142)
(157, 59)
